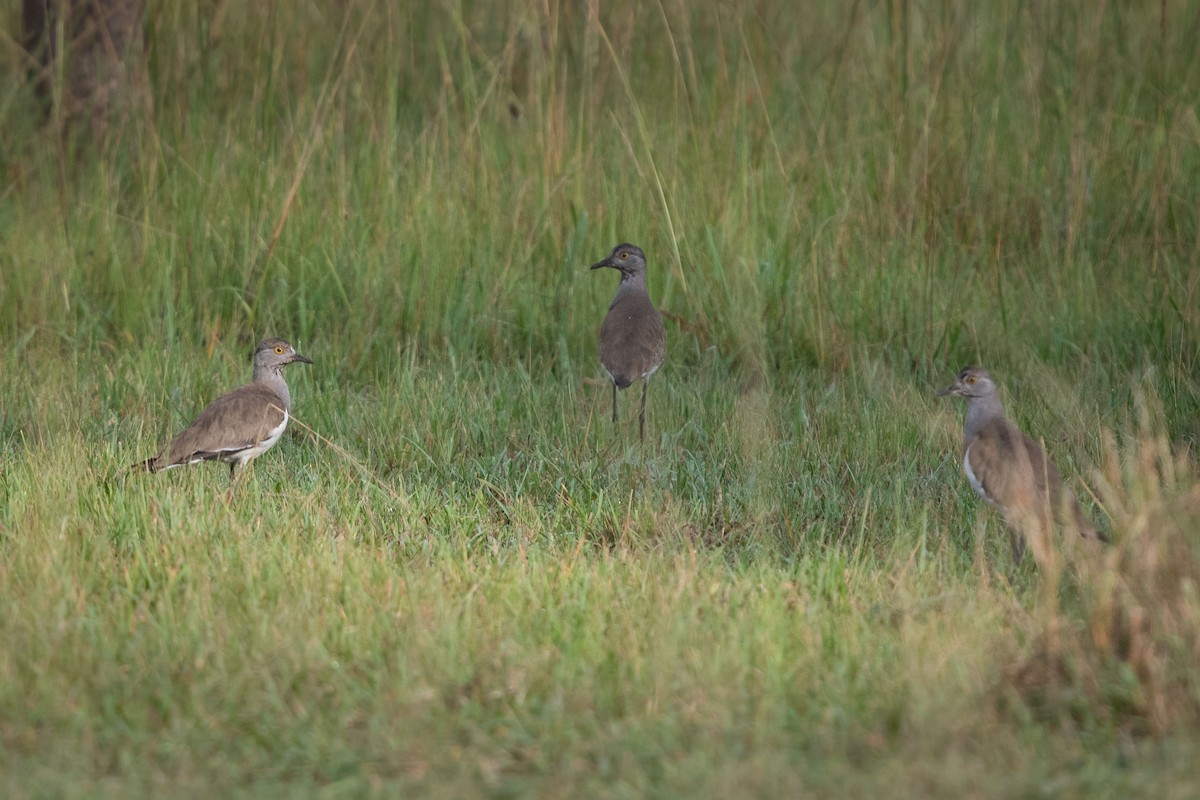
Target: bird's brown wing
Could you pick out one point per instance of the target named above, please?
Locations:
(1046, 480)
(1019, 477)
(233, 422)
(1001, 463)
(1050, 489)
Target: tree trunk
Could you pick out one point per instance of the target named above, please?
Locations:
(99, 44)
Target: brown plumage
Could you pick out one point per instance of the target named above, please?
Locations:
(633, 341)
(239, 426)
(1010, 470)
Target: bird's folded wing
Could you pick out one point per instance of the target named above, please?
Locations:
(233, 422)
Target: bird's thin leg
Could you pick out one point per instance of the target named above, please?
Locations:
(1018, 547)
(642, 413)
(614, 402)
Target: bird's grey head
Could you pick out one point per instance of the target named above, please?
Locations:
(628, 259)
(275, 354)
(971, 382)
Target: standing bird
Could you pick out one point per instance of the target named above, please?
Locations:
(1010, 470)
(239, 426)
(633, 341)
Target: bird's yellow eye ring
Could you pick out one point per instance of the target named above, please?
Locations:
(279, 349)
(622, 255)
(971, 379)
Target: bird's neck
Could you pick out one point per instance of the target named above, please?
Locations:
(272, 378)
(980, 410)
(632, 282)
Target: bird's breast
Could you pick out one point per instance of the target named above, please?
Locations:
(976, 484)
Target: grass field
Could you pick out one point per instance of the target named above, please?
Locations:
(453, 577)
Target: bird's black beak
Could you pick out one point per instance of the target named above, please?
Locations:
(605, 263)
(949, 390)
(301, 359)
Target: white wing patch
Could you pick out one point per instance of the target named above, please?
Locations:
(975, 483)
(244, 456)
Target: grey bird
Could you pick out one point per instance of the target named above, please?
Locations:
(239, 426)
(633, 341)
(1010, 470)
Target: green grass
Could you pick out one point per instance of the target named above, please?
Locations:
(453, 577)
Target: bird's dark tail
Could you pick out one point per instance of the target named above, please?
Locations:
(1085, 526)
(144, 466)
